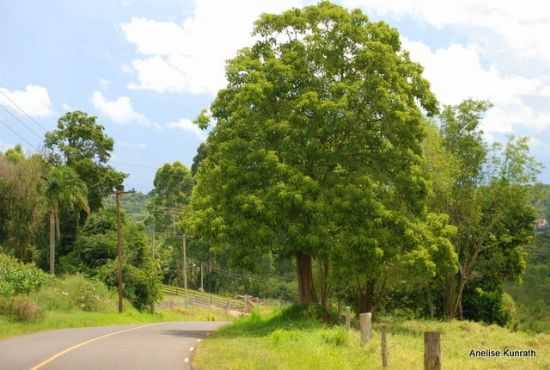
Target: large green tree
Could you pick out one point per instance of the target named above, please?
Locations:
(82, 144)
(324, 97)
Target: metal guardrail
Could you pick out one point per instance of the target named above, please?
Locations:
(194, 297)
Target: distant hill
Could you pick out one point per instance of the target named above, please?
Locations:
(133, 204)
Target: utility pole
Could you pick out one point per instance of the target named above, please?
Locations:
(118, 193)
(184, 240)
(154, 227)
(202, 278)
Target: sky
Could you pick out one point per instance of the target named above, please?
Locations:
(146, 68)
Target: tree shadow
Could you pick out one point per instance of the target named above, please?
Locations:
(185, 333)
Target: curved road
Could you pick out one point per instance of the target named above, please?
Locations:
(162, 346)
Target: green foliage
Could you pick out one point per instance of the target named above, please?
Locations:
(22, 205)
(81, 143)
(287, 168)
(489, 306)
(95, 256)
(19, 278)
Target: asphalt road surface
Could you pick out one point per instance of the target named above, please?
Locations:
(162, 346)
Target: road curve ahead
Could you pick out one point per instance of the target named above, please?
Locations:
(162, 346)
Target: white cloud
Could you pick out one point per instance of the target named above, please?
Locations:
(119, 110)
(33, 100)
(522, 25)
(188, 126)
(456, 73)
(191, 56)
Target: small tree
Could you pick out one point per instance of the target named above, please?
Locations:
(63, 189)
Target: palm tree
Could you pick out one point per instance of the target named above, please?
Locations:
(64, 188)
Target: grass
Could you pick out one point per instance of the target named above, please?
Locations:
(283, 341)
(74, 301)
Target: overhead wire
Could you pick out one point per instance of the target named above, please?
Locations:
(5, 124)
(22, 110)
(28, 128)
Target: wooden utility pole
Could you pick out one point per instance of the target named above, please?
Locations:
(202, 278)
(118, 193)
(184, 240)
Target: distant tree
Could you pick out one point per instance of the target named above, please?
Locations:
(324, 99)
(490, 203)
(15, 154)
(81, 143)
(173, 185)
(22, 204)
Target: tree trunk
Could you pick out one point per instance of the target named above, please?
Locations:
(366, 298)
(304, 271)
(324, 267)
(52, 242)
(57, 226)
(450, 299)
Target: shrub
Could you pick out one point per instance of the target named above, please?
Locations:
(75, 292)
(22, 308)
(19, 278)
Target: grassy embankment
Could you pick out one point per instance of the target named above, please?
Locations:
(292, 340)
(78, 302)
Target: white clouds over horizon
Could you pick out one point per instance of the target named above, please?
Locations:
(34, 100)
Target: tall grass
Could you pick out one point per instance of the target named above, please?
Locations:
(287, 341)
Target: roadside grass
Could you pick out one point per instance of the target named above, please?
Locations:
(283, 341)
(74, 301)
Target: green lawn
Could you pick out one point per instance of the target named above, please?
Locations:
(280, 343)
(77, 319)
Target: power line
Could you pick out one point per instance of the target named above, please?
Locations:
(21, 109)
(28, 128)
(18, 135)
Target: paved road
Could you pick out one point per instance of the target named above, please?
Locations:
(163, 346)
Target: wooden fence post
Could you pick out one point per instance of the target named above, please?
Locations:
(365, 320)
(347, 313)
(432, 351)
(384, 348)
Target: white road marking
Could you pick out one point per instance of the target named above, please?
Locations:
(191, 349)
(186, 360)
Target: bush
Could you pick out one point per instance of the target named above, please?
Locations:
(19, 278)
(489, 306)
(309, 312)
(75, 292)
(22, 308)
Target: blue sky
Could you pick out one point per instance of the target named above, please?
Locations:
(147, 68)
